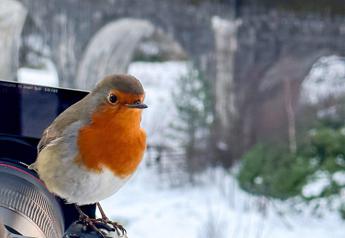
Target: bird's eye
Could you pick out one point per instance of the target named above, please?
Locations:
(112, 98)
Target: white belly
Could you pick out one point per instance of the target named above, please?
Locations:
(72, 181)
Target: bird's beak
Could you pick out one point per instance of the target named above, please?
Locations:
(137, 105)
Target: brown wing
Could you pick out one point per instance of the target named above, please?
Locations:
(53, 133)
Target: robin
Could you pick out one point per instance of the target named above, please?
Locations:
(93, 147)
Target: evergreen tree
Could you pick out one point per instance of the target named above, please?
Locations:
(193, 102)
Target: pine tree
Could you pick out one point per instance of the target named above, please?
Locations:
(193, 102)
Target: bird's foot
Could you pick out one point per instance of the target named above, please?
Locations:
(120, 230)
(95, 225)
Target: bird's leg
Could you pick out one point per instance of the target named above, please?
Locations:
(104, 217)
(82, 215)
(120, 230)
(88, 221)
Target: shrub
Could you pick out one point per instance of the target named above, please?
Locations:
(272, 171)
(327, 146)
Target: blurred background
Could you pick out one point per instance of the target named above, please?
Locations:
(246, 117)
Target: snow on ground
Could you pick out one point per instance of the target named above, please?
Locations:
(148, 209)
(319, 183)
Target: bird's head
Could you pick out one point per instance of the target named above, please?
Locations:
(119, 92)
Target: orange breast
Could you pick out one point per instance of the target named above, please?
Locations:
(114, 140)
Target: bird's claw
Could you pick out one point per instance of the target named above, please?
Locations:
(94, 225)
(120, 230)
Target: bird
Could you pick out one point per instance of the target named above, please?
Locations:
(93, 147)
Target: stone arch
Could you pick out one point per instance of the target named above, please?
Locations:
(290, 68)
(276, 108)
(115, 45)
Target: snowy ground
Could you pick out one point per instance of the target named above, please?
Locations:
(215, 208)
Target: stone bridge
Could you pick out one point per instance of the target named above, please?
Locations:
(250, 55)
